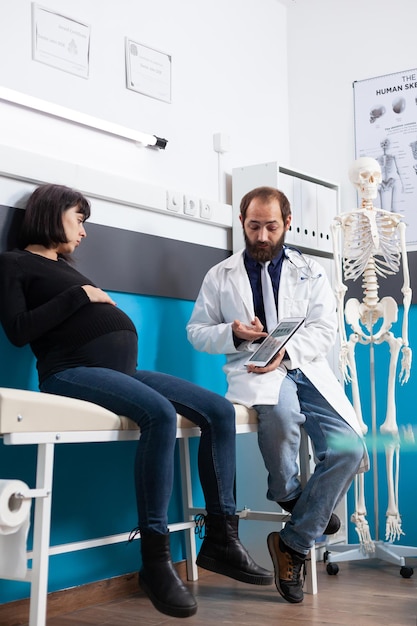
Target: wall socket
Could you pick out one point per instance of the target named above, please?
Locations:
(191, 204)
(205, 209)
(175, 201)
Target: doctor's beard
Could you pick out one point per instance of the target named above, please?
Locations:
(265, 253)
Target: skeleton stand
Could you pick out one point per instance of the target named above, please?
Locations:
(369, 235)
(378, 549)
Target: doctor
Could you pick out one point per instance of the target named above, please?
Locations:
(297, 389)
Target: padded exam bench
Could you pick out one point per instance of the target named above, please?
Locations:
(29, 417)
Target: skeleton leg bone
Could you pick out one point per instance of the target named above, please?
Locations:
(393, 530)
(359, 516)
(389, 427)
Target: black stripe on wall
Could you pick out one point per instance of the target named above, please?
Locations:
(131, 262)
(122, 260)
(390, 286)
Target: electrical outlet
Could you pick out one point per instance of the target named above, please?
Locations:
(205, 209)
(175, 201)
(190, 205)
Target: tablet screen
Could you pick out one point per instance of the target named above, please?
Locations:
(275, 341)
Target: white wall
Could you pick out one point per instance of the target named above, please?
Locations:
(331, 45)
(229, 74)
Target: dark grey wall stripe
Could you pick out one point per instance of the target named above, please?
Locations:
(390, 286)
(126, 261)
(122, 260)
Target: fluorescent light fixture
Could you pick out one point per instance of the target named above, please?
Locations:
(50, 108)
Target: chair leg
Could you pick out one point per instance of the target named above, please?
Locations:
(187, 504)
(41, 536)
(311, 576)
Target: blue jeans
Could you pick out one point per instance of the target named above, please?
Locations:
(152, 400)
(301, 405)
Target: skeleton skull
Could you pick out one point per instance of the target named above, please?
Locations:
(365, 175)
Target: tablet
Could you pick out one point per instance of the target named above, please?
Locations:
(276, 340)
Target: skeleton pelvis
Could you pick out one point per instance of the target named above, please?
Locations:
(360, 316)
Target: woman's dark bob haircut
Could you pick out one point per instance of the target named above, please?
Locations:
(42, 223)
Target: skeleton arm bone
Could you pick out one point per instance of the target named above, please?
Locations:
(340, 291)
(407, 293)
(398, 173)
(352, 318)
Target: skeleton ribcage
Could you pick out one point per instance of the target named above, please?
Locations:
(371, 235)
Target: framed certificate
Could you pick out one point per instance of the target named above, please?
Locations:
(60, 41)
(148, 71)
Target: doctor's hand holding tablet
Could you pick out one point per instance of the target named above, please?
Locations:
(271, 351)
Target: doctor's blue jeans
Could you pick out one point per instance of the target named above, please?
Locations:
(338, 452)
(152, 400)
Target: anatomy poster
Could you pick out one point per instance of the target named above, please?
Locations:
(386, 130)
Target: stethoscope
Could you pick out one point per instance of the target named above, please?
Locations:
(299, 261)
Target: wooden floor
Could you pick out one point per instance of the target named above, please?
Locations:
(362, 594)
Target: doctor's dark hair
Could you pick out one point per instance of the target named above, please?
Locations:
(42, 222)
(266, 194)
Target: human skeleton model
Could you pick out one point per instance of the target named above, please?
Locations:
(390, 178)
(374, 246)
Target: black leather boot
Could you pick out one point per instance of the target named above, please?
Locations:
(222, 552)
(159, 579)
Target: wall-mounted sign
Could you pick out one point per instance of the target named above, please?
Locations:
(148, 71)
(60, 41)
(386, 130)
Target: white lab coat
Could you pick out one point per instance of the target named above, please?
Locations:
(304, 290)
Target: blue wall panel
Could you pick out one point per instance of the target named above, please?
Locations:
(406, 416)
(93, 489)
